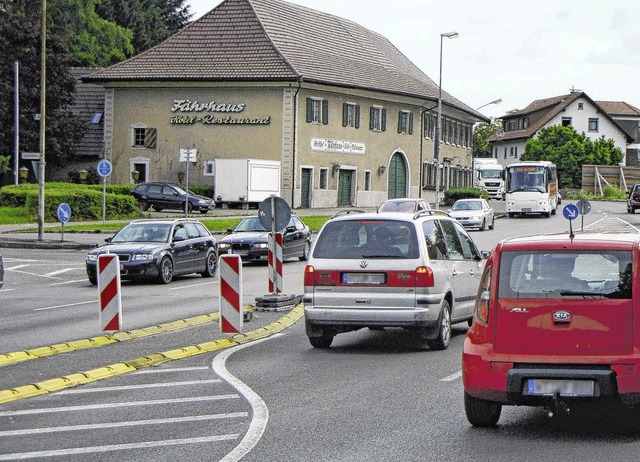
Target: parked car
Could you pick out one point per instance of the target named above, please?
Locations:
(415, 271)
(250, 240)
(168, 196)
(404, 205)
(473, 213)
(159, 249)
(633, 199)
(554, 325)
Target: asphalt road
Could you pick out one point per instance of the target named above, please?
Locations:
(371, 396)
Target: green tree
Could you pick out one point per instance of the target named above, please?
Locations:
(150, 21)
(93, 41)
(20, 40)
(570, 150)
(481, 134)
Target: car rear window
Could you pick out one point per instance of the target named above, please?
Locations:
(558, 274)
(367, 239)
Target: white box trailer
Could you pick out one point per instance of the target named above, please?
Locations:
(245, 182)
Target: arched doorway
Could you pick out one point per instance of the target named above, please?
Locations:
(397, 179)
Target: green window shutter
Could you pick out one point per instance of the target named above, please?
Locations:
(411, 123)
(357, 116)
(325, 111)
(371, 118)
(400, 122)
(384, 120)
(345, 114)
(309, 110)
(150, 138)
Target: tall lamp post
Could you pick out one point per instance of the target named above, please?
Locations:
(436, 146)
(495, 101)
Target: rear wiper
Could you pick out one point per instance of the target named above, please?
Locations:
(383, 256)
(583, 294)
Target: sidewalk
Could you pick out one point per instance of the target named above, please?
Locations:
(14, 236)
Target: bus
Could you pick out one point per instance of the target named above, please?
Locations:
(531, 188)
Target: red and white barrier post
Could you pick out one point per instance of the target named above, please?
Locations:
(231, 317)
(275, 263)
(109, 287)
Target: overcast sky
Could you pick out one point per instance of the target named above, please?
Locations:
(508, 49)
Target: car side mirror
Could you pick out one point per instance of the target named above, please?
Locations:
(290, 229)
(229, 230)
(108, 239)
(485, 254)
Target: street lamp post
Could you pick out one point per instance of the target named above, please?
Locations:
(495, 101)
(436, 145)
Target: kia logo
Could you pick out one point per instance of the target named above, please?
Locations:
(561, 316)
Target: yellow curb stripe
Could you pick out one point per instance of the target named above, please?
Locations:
(60, 348)
(83, 378)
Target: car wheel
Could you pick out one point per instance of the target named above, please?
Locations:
(441, 342)
(212, 265)
(481, 413)
(189, 207)
(323, 342)
(166, 271)
(305, 252)
(511, 214)
(93, 280)
(157, 209)
(470, 322)
(144, 206)
(493, 223)
(483, 226)
(633, 210)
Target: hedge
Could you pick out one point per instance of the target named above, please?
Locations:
(452, 195)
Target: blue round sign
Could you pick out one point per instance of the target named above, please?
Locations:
(64, 212)
(570, 211)
(104, 168)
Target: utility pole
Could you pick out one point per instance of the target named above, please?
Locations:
(43, 118)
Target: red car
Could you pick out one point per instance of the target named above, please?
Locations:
(555, 323)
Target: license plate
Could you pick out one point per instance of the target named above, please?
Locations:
(549, 387)
(364, 278)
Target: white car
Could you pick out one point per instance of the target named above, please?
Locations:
(473, 213)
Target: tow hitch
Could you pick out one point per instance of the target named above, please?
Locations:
(559, 407)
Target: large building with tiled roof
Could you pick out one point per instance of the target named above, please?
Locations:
(350, 119)
(576, 109)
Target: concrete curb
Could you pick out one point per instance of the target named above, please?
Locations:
(83, 378)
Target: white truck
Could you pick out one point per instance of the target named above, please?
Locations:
(245, 182)
(488, 174)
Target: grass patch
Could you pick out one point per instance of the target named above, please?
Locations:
(15, 216)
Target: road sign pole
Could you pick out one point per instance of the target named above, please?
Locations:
(104, 198)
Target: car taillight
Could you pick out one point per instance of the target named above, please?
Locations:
(635, 195)
(424, 277)
(309, 276)
(484, 296)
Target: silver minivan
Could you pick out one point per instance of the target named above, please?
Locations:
(419, 272)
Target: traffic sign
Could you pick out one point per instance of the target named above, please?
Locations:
(30, 155)
(584, 206)
(109, 289)
(280, 210)
(64, 212)
(570, 212)
(104, 168)
(230, 309)
(188, 154)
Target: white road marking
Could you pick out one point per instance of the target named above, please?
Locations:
(116, 447)
(452, 377)
(137, 387)
(171, 369)
(64, 306)
(68, 282)
(11, 268)
(60, 271)
(193, 285)
(129, 423)
(260, 411)
(154, 402)
(32, 274)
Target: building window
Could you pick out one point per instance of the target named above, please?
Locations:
(351, 115)
(96, 118)
(580, 106)
(456, 133)
(512, 126)
(566, 121)
(593, 125)
(317, 111)
(367, 180)
(515, 154)
(525, 122)
(324, 178)
(377, 119)
(143, 137)
(505, 153)
(405, 122)
(511, 151)
(208, 167)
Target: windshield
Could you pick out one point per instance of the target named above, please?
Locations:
(143, 232)
(367, 239)
(558, 274)
(527, 178)
(467, 205)
(491, 173)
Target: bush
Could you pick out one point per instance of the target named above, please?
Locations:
(452, 195)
